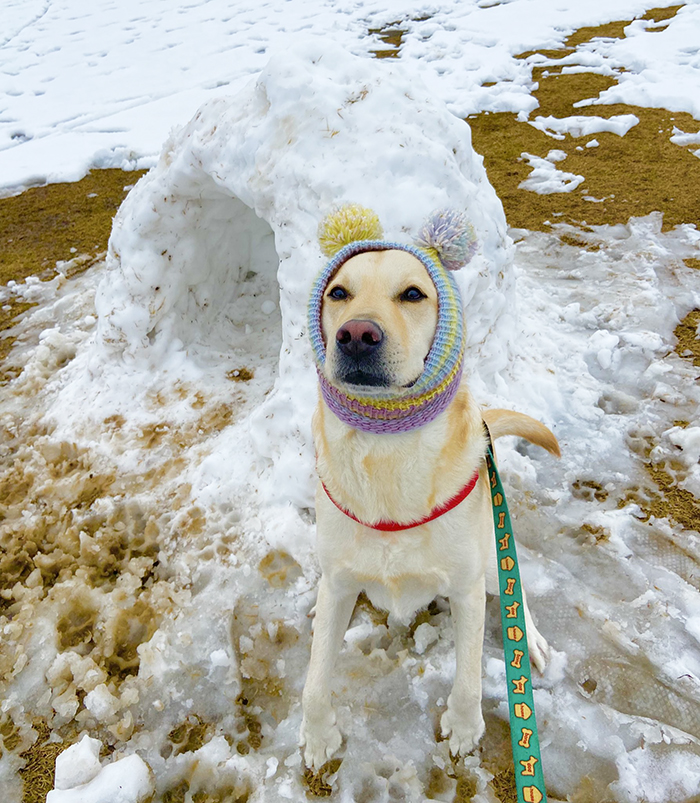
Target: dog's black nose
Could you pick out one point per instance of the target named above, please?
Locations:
(358, 338)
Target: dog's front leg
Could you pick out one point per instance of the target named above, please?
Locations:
(320, 736)
(463, 722)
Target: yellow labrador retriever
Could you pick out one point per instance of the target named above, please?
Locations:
(378, 316)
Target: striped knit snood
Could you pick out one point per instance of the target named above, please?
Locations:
(446, 242)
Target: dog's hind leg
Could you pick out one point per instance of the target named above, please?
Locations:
(320, 736)
(536, 643)
(463, 722)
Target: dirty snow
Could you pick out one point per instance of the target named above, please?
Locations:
(161, 416)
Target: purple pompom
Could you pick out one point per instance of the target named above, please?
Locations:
(449, 233)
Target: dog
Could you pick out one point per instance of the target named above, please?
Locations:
(378, 312)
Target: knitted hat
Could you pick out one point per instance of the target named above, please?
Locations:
(446, 243)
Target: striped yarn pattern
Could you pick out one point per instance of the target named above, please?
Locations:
(396, 410)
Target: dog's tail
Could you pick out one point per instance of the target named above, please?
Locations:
(506, 422)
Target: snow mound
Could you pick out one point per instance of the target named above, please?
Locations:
(237, 195)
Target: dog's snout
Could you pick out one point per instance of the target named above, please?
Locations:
(356, 338)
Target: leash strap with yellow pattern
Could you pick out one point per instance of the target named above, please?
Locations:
(529, 779)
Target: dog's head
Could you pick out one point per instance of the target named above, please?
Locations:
(385, 319)
(379, 314)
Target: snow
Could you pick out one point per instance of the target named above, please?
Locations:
(424, 636)
(102, 86)
(79, 764)
(127, 780)
(174, 290)
(180, 367)
(545, 178)
(663, 64)
(580, 126)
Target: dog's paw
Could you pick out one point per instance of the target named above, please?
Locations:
(462, 732)
(538, 648)
(320, 740)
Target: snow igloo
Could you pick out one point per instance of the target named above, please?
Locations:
(215, 250)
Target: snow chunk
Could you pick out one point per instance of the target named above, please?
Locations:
(101, 703)
(602, 344)
(583, 126)
(424, 636)
(545, 178)
(127, 780)
(220, 658)
(79, 764)
(688, 440)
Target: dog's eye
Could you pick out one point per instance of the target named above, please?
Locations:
(412, 294)
(338, 293)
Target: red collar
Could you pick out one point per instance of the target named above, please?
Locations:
(435, 513)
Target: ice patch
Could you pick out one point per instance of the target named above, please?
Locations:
(667, 777)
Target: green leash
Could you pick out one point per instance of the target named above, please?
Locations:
(529, 779)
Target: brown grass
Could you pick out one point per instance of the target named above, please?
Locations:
(42, 225)
(639, 173)
(688, 344)
(672, 502)
(39, 769)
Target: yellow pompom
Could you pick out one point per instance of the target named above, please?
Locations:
(346, 225)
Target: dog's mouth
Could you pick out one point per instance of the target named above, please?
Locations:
(369, 373)
(359, 377)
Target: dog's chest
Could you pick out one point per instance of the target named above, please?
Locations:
(402, 572)
(389, 478)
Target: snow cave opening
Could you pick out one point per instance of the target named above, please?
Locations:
(224, 291)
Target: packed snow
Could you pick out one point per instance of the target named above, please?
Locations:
(163, 408)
